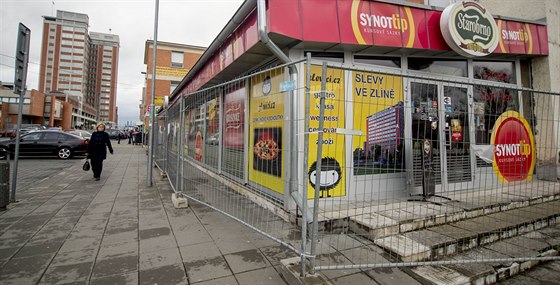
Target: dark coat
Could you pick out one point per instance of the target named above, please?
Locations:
(98, 144)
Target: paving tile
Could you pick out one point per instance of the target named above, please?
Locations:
(119, 279)
(168, 274)
(246, 260)
(118, 264)
(358, 278)
(68, 273)
(159, 258)
(25, 267)
(199, 251)
(38, 249)
(74, 257)
(207, 268)
(230, 280)
(264, 276)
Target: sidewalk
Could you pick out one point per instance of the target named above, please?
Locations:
(69, 228)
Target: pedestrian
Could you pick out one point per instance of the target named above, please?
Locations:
(119, 137)
(130, 136)
(97, 150)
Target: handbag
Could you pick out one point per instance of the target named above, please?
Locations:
(86, 165)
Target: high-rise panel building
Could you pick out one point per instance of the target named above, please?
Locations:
(74, 59)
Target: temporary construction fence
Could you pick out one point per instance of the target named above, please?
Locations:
(355, 168)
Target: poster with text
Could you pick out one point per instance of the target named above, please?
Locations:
(266, 117)
(332, 174)
(379, 114)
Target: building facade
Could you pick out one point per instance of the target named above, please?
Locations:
(173, 62)
(75, 60)
(401, 82)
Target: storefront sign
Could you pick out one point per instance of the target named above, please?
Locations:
(469, 29)
(266, 115)
(332, 179)
(234, 119)
(198, 154)
(514, 148)
(171, 71)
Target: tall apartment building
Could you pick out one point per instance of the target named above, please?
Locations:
(73, 59)
(173, 61)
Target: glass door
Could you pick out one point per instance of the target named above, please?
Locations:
(425, 122)
(456, 137)
(440, 114)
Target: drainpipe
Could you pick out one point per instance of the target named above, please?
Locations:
(263, 35)
(292, 102)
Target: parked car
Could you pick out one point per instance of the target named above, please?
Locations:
(31, 128)
(8, 133)
(81, 133)
(114, 134)
(45, 143)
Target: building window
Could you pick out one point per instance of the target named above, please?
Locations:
(495, 71)
(173, 85)
(330, 56)
(177, 59)
(440, 66)
(378, 60)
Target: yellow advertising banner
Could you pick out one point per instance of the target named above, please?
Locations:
(332, 179)
(379, 114)
(158, 101)
(266, 115)
(171, 71)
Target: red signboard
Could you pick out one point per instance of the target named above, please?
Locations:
(514, 148)
(234, 119)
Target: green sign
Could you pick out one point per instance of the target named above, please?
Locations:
(469, 29)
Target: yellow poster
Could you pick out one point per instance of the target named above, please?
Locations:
(379, 115)
(266, 115)
(332, 179)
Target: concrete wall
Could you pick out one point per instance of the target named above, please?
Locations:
(545, 76)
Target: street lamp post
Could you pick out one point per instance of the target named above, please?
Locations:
(152, 113)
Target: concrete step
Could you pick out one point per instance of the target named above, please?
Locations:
(440, 241)
(470, 267)
(411, 216)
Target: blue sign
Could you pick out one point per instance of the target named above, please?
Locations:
(286, 86)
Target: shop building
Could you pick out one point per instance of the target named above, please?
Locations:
(476, 86)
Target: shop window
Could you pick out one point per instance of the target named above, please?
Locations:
(489, 104)
(234, 131)
(439, 66)
(177, 59)
(328, 56)
(212, 140)
(495, 71)
(528, 98)
(378, 60)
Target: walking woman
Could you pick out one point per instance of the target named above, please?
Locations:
(97, 150)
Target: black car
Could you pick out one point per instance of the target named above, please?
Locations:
(45, 143)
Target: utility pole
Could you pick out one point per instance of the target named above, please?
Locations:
(152, 95)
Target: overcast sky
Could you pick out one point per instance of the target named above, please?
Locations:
(192, 22)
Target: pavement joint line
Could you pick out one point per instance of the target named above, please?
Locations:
(106, 223)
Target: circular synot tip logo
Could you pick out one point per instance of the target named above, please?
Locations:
(514, 148)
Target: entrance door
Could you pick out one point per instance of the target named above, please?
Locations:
(456, 137)
(440, 115)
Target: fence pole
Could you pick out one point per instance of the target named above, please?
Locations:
(314, 231)
(304, 220)
(179, 148)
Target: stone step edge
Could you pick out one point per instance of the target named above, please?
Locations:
(432, 274)
(409, 250)
(405, 226)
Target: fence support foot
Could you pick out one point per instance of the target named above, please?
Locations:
(163, 175)
(179, 201)
(291, 271)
